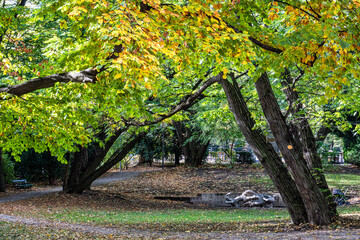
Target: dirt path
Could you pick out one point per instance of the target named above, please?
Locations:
(122, 233)
(110, 177)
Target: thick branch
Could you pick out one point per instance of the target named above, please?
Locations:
(86, 76)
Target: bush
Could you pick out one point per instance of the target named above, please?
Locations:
(352, 156)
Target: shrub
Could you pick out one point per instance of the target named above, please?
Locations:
(352, 156)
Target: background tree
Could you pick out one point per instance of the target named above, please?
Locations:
(39, 167)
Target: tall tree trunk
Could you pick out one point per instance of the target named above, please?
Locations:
(77, 165)
(50, 164)
(194, 150)
(177, 153)
(2, 175)
(290, 147)
(307, 139)
(265, 153)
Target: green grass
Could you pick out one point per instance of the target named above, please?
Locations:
(349, 209)
(169, 216)
(177, 216)
(349, 182)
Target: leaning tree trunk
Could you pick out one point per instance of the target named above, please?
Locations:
(315, 203)
(265, 153)
(307, 139)
(2, 175)
(194, 150)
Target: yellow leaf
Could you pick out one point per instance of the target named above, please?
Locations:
(344, 80)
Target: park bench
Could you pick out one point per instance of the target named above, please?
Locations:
(21, 183)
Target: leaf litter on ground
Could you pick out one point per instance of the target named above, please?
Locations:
(136, 195)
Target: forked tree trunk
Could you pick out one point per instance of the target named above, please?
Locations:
(84, 169)
(291, 149)
(265, 153)
(114, 159)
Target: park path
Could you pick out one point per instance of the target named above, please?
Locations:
(110, 177)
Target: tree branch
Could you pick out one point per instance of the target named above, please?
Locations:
(255, 41)
(181, 106)
(304, 11)
(86, 76)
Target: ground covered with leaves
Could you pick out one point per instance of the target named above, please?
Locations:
(132, 205)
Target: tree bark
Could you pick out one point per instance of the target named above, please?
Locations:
(307, 139)
(265, 153)
(290, 147)
(76, 166)
(73, 172)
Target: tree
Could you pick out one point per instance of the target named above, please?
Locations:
(193, 148)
